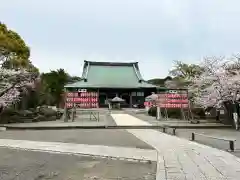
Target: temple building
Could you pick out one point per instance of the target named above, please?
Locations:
(111, 79)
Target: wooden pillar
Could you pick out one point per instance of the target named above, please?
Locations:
(158, 113)
(65, 106)
(73, 112)
(130, 104)
(98, 98)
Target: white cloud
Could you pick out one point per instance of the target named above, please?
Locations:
(153, 32)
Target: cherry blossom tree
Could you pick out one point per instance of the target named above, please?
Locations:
(12, 84)
(14, 54)
(218, 83)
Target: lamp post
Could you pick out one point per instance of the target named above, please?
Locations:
(65, 106)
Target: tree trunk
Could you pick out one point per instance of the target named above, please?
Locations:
(24, 103)
(228, 106)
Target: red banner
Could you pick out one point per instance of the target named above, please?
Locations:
(82, 99)
(178, 101)
(173, 105)
(173, 99)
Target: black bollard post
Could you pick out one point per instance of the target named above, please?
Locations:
(164, 129)
(193, 137)
(174, 131)
(231, 145)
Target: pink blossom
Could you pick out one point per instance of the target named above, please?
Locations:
(216, 84)
(11, 82)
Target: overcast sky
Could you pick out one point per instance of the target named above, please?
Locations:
(64, 33)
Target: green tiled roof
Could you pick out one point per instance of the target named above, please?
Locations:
(110, 75)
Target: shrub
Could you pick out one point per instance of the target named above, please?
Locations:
(152, 111)
(198, 113)
(172, 113)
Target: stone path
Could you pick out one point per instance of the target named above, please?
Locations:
(219, 144)
(83, 149)
(180, 159)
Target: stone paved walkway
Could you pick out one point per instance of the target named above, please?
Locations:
(83, 149)
(180, 159)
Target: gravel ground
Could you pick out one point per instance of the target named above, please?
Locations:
(109, 137)
(26, 165)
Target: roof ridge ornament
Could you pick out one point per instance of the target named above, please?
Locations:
(135, 70)
(86, 73)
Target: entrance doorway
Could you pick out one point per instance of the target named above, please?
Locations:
(111, 95)
(102, 99)
(126, 97)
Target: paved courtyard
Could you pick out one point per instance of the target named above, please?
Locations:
(181, 159)
(186, 133)
(176, 158)
(117, 144)
(224, 133)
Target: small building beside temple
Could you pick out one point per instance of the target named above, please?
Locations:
(113, 79)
